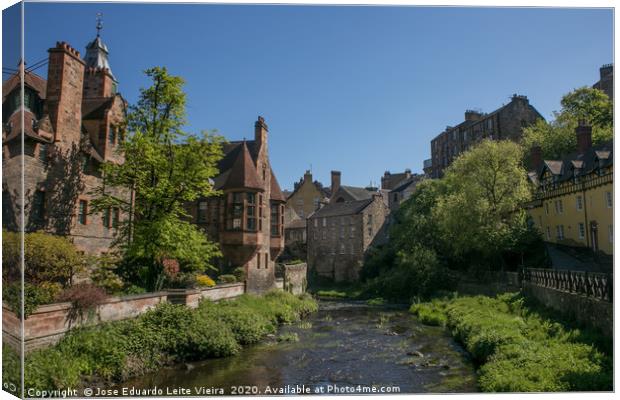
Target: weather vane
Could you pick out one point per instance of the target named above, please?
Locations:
(99, 24)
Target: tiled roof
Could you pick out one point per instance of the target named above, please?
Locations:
(276, 192)
(16, 128)
(343, 208)
(242, 174)
(576, 164)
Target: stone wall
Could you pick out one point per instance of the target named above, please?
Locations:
(585, 310)
(295, 278)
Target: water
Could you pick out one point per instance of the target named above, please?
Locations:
(344, 345)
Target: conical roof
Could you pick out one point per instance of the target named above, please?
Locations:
(97, 55)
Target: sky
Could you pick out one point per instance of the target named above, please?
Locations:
(361, 90)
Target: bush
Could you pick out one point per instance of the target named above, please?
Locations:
(34, 296)
(84, 297)
(227, 278)
(48, 258)
(239, 273)
(247, 326)
(205, 280)
(429, 314)
(104, 274)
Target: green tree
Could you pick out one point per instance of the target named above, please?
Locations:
(164, 168)
(484, 189)
(557, 138)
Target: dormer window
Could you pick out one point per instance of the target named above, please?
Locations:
(43, 153)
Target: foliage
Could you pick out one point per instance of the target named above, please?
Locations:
(288, 337)
(485, 187)
(430, 313)
(227, 278)
(517, 349)
(239, 273)
(84, 297)
(48, 258)
(557, 138)
(164, 167)
(104, 273)
(117, 351)
(376, 301)
(205, 280)
(34, 296)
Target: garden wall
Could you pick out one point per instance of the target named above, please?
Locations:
(295, 280)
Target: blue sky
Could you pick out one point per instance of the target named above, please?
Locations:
(357, 89)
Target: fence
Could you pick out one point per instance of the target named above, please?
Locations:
(590, 284)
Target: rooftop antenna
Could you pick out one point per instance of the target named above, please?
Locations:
(99, 23)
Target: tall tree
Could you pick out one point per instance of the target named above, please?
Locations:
(557, 138)
(484, 189)
(164, 168)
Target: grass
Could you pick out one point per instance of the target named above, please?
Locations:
(520, 347)
(116, 351)
(332, 290)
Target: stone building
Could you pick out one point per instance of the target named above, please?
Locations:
(606, 81)
(573, 202)
(340, 233)
(73, 122)
(247, 220)
(507, 122)
(403, 191)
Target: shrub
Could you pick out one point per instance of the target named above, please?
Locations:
(104, 274)
(239, 273)
(34, 296)
(84, 297)
(205, 280)
(227, 278)
(247, 326)
(48, 258)
(429, 314)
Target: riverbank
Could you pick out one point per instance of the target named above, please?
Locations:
(169, 334)
(521, 347)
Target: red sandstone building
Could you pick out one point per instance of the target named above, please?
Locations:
(72, 122)
(247, 220)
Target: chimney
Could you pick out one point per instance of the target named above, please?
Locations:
(65, 80)
(472, 115)
(606, 70)
(536, 158)
(335, 182)
(407, 173)
(260, 131)
(584, 136)
(308, 176)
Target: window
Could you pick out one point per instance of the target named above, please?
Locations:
(316, 203)
(579, 203)
(548, 233)
(38, 206)
(112, 134)
(251, 211)
(43, 152)
(106, 217)
(559, 207)
(275, 219)
(235, 211)
(316, 222)
(324, 221)
(342, 232)
(202, 211)
(582, 230)
(610, 233)
(609, 200)
(82, 211)
(547, 208)
(342, 250)
(116, 214)
(559, 230)
(352, 234)
(260, 212)
(258, 258)
(324, 234)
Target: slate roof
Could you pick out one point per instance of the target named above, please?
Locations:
(239, 170)
(96, 108)
(405, 184)
(31, 80)
(357, 193)
(576, 164)
(343, 208)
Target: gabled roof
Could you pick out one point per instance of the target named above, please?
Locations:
(32, 80)
(576, 164)
(95, 108)
(356, 193)
(344, 208)
(406, 183)
(242, 173)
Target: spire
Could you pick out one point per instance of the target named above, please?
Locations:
(97, 52)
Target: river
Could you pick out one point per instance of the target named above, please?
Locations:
(344, 346)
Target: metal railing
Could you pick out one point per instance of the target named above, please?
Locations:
(590, 284)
